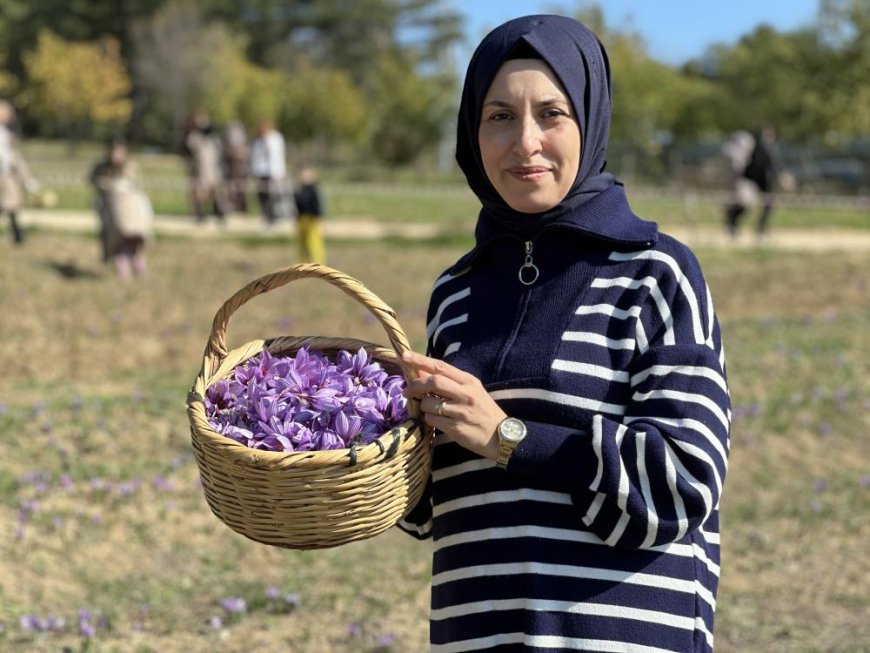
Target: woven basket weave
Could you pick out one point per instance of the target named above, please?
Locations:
(311, 499)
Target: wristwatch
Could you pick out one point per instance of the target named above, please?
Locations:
(511, 432)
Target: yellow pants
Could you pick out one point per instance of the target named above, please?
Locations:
(311, 245)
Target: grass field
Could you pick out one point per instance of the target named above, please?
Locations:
(108, 545)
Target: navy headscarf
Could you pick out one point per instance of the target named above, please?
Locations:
(579, 61)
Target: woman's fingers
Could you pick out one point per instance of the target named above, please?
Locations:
(432, 366)
(433, 385)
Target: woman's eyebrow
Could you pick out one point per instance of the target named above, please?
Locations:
(540, 103)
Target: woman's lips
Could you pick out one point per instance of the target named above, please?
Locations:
(528, 173)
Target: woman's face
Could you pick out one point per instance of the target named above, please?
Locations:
(118, 155)
(529, 136)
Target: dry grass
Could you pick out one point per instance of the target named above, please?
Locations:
(95, 374)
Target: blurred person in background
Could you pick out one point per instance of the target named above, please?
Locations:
(269, 169)
(309, 206)
(737, 150)
(575, 379)
(126, 216)
(15, 177)
(235, 164)
(757, 180)
(202, 147)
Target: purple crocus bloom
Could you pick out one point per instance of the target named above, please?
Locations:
(306, 401)
(346, 427)
(86, 627)
(386, 641)
(234, 605)
(293, 600)
(327, 439)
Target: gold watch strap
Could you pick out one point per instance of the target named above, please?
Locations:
(505, 449)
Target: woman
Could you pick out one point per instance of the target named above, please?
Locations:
(269, 168)
(15, 177)
(126, 218)
(576, 381)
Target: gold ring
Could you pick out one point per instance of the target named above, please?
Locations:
(440, 408)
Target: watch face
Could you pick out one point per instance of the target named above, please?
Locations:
(512, 430)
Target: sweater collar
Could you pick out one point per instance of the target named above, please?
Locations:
(607, 217)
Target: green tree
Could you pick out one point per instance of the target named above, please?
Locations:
(184, 63)
(348, 34)
(409, 111)
(322, 106)
(77, 88)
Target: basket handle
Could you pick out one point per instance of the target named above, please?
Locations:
(216, 349)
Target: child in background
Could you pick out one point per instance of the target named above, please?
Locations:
(310, 210)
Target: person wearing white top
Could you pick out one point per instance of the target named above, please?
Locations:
(269, 168)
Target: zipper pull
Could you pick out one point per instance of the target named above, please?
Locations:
(528, 278)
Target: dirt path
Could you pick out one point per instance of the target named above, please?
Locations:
(85, 221)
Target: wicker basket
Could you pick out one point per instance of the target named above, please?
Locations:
(311, 499)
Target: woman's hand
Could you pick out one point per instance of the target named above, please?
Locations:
(455, 403)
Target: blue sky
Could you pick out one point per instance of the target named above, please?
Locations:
(674, 30)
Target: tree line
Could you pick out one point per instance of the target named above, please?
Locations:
(380, 77)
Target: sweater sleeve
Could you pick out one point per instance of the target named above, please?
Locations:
(655, 474)
(418, 522)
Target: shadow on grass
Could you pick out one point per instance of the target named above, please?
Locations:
(72, 271)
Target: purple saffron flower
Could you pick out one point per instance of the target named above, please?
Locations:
(86, 627)
(326, 440)
(293, 600)
(386, 641)
(234, 605)
(306, 401)
(354, 630)
(346, 427)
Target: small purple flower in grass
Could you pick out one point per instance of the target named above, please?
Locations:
(215, 622)
(162, 484)
(86, 625)
(387, 640)
(273, 593)
(820, 485)
(293, 600)
(234, 605)
(354, 630)
(35, 623)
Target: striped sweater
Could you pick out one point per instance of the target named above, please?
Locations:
(603, 533)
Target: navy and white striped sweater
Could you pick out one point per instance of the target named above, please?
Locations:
(602, 534)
